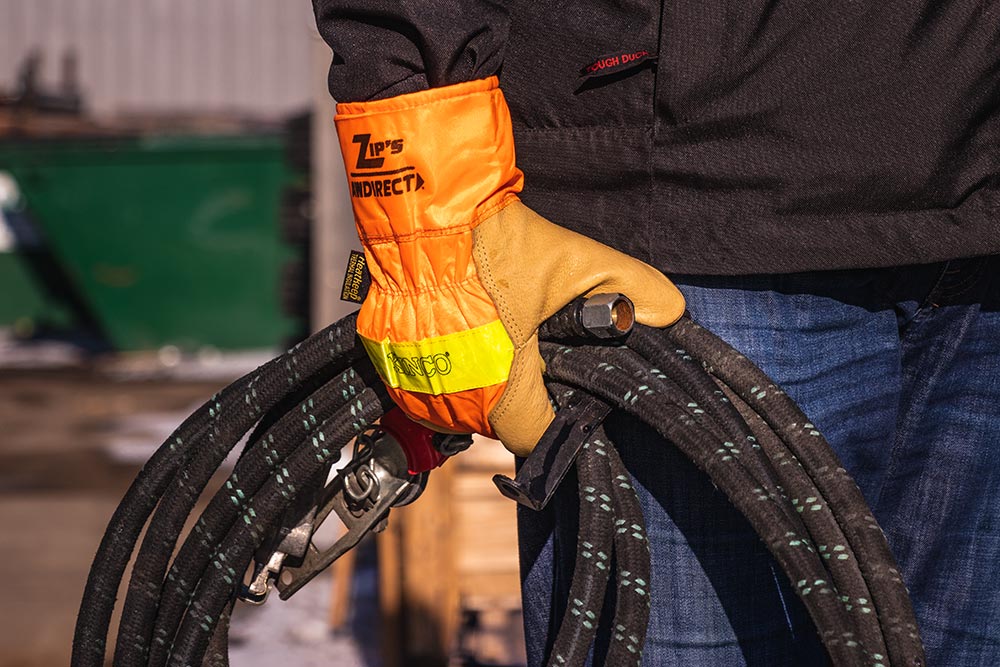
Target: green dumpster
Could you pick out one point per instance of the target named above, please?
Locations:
(26, 303)
(164, 241)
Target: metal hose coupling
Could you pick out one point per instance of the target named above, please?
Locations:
(609, 315)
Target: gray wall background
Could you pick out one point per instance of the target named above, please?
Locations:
(247, 56)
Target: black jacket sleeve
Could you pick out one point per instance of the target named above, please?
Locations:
(383, 48)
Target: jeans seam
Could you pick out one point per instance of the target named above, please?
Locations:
(917, 402)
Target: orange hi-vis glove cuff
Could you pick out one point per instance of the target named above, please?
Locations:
(424, 169)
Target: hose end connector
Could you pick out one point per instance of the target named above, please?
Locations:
(609, 315)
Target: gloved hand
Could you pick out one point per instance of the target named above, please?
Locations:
(462, 272)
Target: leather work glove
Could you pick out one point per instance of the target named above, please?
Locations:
(462, 272)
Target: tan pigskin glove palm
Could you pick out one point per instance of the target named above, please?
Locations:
(462, 272)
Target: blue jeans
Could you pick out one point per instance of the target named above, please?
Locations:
(900, 369)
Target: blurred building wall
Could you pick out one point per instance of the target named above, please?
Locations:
(247, 56)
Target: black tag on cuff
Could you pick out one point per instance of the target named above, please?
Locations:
(357, 280)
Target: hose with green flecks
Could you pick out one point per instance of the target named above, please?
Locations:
(264, 454)
(592, 568)
(632, 605)
(222, 419)
(719, 409)
(861, 541)
(810, 514)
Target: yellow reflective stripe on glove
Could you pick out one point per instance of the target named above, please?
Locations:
(447, 364)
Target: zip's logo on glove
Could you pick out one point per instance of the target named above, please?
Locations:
(375, 149)
(370, 156)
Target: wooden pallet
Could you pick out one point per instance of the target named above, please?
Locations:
(448, 569)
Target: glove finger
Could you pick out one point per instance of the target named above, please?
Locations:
(524, 411)
(531, 268)
(592, 268)
(658, 302)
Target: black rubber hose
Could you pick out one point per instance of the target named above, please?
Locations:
(859, 586)
(735, 441)
(818, 523)
(218, 649)
(690, 376)
(860, 604)
(89, 644)
(144, 590)
(119, 539)
(683, 381)
(834, 547)
(682, 405)
(867, 545)
(611, 384)
(592, 568)
(263, 511)
(856, 633)
(631, 619)
(261, 457)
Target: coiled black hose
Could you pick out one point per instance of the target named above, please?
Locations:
(593, 559)
(223, 418)
(262, 457)
(718, 408)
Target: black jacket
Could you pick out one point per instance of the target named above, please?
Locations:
(756, 136)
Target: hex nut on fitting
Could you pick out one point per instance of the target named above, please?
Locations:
(607, 315)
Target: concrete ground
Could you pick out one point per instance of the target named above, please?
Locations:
(295, 632)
